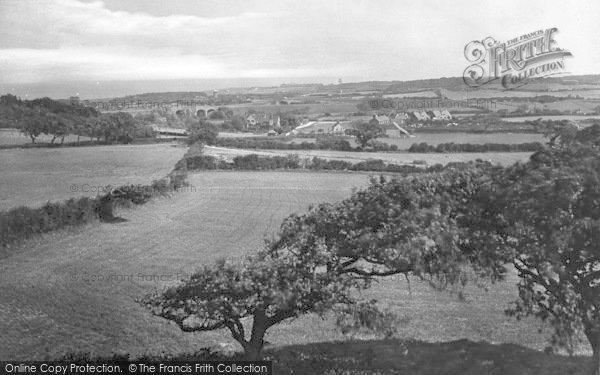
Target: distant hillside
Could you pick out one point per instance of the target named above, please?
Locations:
(573, 82)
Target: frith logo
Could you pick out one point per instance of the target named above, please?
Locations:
(515, 62)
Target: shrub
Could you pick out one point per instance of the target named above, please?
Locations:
(23, 222)
(376, 165)
(201, 162)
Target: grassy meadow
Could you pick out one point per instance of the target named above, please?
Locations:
(435, 139)
(31, 177)
(503, 158)
(75, 290)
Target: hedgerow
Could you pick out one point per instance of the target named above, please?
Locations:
(470, 147)
(292, 162)
(23, 222)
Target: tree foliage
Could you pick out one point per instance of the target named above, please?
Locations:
(268, 288)
(544, 218)
(366, 131)
(318, 258)
(204, 132)
(57, 119)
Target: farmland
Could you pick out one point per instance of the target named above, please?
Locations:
(79, 293)
(554, 118)
(503, 158)
(437, 138)
(474, 138)
(32, 177)
(76, 296)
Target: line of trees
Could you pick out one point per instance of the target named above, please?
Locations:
(322, 143)
(46, 116)
(263, 162)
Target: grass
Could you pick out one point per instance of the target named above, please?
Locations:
(462, 357)
(437, 138)
(544, 118)
(31, 177)
(75, 290)
(503, 158)
(474, 138)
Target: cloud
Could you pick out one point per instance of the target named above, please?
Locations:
(46, 41)
(73, 40)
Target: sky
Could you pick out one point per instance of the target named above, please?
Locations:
(109, 48)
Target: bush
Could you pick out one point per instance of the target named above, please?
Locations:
(339, 165)
(23, 222)
(376, 165)
(201, 162)
(257, 162)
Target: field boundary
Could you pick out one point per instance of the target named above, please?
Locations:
(21, 223)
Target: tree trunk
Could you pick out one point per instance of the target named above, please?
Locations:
(32, 139)
(593, 337)
(253, 348)
(62, 140)
(596, 358)
(52, 141)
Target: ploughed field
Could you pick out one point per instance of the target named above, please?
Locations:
(75, 290)
(31, 177)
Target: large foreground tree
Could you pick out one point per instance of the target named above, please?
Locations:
(319, 258)
(544, 218)
(250, 297)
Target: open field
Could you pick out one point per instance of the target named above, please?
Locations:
(32, 177)
(503, 158)
(555, 118)
(435, 139)
(491, 93)
(416, 94)
(76, 290)
(72, 291)
(319, 106)
(240, 135)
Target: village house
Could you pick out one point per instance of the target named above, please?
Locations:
(251, 121)
(421, 115)
(401, 117)
(382, 120)
(322, 127)
(394, 130)
(339, 129)
(440, 115)
(254, 120)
